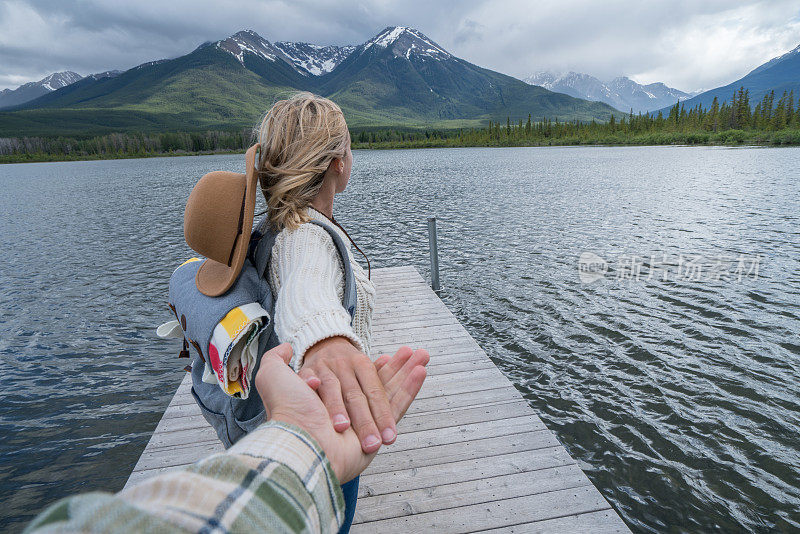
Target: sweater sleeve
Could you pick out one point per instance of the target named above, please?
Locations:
(307, 270)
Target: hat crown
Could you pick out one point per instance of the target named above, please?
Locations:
(214, 212)
(217, 224)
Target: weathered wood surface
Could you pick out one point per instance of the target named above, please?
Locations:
(471, 454)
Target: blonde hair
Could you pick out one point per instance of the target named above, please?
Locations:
(299, 137)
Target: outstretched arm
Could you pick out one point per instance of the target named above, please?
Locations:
(286, 472)
(307, 269)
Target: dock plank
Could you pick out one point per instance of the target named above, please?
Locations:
(471, 454)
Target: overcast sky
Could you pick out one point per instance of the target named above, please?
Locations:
(688, 44)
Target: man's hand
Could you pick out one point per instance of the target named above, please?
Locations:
(351, 390)
(289, 399)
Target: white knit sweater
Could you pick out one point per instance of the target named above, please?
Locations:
(306, 274)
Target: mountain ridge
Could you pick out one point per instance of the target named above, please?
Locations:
(314, 59)
(399, 77)
(31, 90)
(621, 92)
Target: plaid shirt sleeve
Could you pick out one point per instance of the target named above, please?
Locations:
(276, 479)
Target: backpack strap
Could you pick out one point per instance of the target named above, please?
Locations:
(349, 297)
(263, 239)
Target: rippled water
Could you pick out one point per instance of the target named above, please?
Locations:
(680, 397)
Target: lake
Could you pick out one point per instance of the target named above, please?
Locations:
(646, 302)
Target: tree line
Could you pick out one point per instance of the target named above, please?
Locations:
(123, 145)
(770, 122)
(734, 121)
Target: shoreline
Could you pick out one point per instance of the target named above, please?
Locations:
(439, 143)
(44, 158)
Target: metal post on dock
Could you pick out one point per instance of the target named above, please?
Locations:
(434, 252)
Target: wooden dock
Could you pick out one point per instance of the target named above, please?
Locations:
(471, 454)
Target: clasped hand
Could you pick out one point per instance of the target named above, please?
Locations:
(349, 386)
(291, 398)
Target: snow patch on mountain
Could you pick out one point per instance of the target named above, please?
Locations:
(32, 90)
(407, 42)
(387, 36)
(621, 93)
(57, 80)
(574, 84)
(248, 42)
(313, 59)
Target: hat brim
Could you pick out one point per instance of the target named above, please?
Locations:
(214, 278)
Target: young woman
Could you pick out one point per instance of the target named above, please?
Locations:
(305, 161)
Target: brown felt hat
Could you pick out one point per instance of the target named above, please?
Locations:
(217, 224)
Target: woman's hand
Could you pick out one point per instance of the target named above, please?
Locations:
(348, 384)
(287, 399)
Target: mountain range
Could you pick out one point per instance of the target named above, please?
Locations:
(621, 93)
(400, 77)
(778, 74)
(31, 90)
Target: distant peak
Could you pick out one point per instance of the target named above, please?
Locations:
(389, 35)
(247, 42)
(57, 80)
(406, 41)
(548, 79)
(247, 33)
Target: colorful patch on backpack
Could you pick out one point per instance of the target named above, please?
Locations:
(240, 327)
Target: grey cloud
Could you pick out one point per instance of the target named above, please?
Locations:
(469, 31)
(687, 44)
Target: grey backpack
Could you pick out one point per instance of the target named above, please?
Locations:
(199, 314)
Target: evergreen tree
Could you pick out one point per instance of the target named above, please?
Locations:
(715, 114)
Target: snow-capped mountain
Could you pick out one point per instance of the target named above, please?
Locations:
(316, 60)
(31, 90)
(57, 80)
(313, 59)
(574, 84)
(262, 57)
(622, 93)
(400, 71)
(645, 97)
(246, 42)
(396, 77)
(406, 42)
(270, 60)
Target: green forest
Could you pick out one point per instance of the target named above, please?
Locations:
(771, 121)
